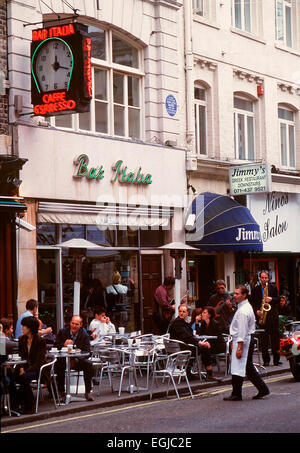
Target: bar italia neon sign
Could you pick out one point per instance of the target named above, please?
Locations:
(61, 80)
(121, 172)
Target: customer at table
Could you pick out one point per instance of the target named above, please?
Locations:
(182, 331)
(74, 335)
(101, 324)
(11, 346)
(32, 348)
(196, 319)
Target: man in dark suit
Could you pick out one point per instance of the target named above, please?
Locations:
(270, 336)
(74, 335)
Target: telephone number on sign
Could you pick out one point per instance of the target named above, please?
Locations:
(250, 189)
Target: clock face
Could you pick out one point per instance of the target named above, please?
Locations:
(53, 65)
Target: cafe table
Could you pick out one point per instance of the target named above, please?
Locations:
(10, 362)
(68, 356)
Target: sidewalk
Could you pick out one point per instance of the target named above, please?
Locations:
(109, 399)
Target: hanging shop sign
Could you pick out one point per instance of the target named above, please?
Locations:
(61, 80)
(247, 179)
(120, 172)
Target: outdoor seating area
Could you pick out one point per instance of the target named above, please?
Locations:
(123, 365)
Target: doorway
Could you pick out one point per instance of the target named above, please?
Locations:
(151, 279)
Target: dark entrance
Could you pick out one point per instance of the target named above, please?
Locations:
(151, 279)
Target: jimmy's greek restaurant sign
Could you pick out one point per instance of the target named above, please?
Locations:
(247, 179)
(120, 172)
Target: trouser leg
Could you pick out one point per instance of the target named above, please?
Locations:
(265, 346)
(87, 368)
(251, 371)
(60, 369)
(237, 384)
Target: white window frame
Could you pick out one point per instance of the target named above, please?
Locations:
(285, 4)
(246, 114)
(198, 7)
(243, 16)
(287, 123)
(112, 67)
(198, 132)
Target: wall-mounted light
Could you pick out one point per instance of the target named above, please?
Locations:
(195, 192)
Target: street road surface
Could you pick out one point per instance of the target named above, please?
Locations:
(207, 412)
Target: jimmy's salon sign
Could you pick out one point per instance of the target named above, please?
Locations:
(247, 179)
(120, 172)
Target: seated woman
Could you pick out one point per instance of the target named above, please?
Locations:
(196, 319)
(210, 327)
(32, 348)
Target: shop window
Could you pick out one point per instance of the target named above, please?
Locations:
(243, 128)
(46, 234)
(116, 105)
(287, 137)
(72, 232)
(200, 106)
(284, 21)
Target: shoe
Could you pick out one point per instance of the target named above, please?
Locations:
(89, 397)
(277, 363)
(261, 394)
(266, 363)
(233, 398)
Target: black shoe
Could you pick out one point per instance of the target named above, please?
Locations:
(266, 363)
(261, 394)
(89, 397)
(233, 398)
(277, 363)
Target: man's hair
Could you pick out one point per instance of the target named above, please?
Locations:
(99, 310)
(32, 323)
(244, 289)
(31, 304)
(169, 281)
(220, 282)
(6, 323)
(264, 272)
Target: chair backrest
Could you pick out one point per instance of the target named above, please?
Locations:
(111, 356)
(172, 346)
(178, 361)
(49, 365)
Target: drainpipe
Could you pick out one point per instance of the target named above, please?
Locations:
(189, 65)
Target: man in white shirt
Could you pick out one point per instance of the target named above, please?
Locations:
(241, 329)
(101, 324)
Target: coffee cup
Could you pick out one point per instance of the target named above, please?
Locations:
(130, 341)
(70, 348)
(121, 330)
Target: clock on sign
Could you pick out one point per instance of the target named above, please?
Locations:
(61, 79)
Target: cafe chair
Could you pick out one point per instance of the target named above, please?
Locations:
(112, 361)
(172, 346)
(145, 359)
(176, 367)
(224, 356)
(130, 365)
(39, 385)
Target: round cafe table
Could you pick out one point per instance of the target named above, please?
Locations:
(68, 356)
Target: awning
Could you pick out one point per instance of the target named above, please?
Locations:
(11, 205)
(222, 224)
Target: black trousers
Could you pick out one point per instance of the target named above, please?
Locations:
(77, 365)
(270, 337)
(251, 373)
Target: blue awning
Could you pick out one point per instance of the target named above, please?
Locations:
(223, 224)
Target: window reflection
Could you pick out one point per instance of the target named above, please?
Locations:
(124, 53)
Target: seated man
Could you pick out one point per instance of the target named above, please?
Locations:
(11, 346)
(182, 331)
(75, 335)
(101, 324)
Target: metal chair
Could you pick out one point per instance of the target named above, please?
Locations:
(224, 355)
(112, 362)
(52, 381)
(172, 346)
(145, 359)
(176, 367)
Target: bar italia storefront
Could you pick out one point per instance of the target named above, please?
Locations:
(116, 194)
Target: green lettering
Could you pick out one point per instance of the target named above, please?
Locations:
(83, 161)
(148, 179)
(117, 168)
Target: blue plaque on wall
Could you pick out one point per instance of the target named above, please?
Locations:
(171, 105)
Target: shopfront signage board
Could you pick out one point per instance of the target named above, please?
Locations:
(248, 179)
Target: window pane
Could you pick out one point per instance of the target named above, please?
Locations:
(279, 20)
(243, 104)
(202, 128)
(283, 144)
(118, 88)
(238, 13)
(63, 121)
(72, 232)
(45, 234)
(250, 138)
(124, 53)
(119, 120)
(199, 93)
(288, 26)
(98, 42)
(84, 121)
(291, 146)
(285, 114)
(241, 136)
(101, 117)
(247, 15)
(134, 122)
(100, 84)
(133, 91)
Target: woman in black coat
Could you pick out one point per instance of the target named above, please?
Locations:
(32, 348)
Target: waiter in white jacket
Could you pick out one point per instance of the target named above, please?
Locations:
(241, 329)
